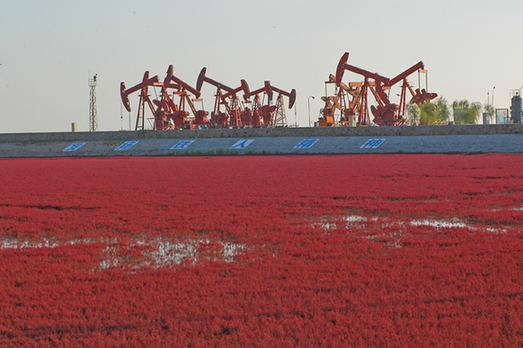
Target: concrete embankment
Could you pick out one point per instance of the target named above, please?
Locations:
(341, 140)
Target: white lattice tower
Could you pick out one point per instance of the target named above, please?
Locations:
(280, 119)
(93, 122)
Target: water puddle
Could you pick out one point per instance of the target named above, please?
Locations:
(155, 253)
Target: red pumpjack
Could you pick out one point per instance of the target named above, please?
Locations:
(167, 114)
(385, 113)
(227, 97)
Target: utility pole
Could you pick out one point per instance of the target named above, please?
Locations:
(309, 105)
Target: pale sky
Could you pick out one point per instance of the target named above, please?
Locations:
(49, 49)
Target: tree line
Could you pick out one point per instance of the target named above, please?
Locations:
(438, 112)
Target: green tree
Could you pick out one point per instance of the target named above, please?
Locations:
(466, 112)
(428, 113)
(491, 112)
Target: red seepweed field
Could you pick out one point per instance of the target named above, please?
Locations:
(276, 251)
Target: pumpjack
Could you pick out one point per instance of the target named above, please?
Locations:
(167, 114)
(269, 115)
(385, 112)
(227, 97)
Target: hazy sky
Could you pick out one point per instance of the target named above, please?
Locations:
(48, 50)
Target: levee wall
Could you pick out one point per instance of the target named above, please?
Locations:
(339, 140)
(266, 132)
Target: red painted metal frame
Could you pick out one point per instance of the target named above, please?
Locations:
(385, 113)
(167, 114)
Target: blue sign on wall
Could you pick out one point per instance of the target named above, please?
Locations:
(126, 146)
(372, 143)
(306, 143)
(182, 144)
(74, 147)
(242, 144)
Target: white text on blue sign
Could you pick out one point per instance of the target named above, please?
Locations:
(182, 144)
(372, 143)
(74, 147)
(126, 146)
(242, 144)
(306, 143)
